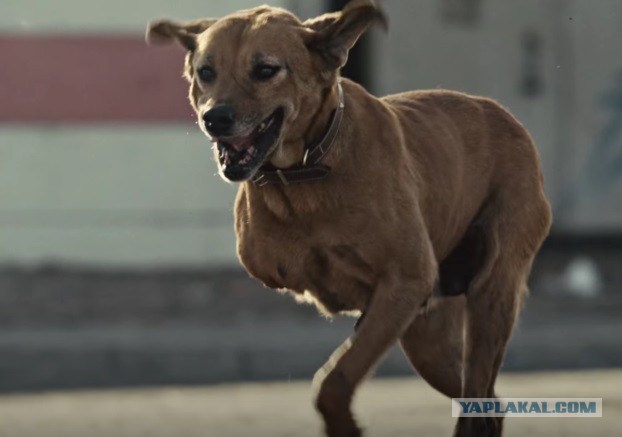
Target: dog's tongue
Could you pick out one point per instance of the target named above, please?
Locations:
(240, 143)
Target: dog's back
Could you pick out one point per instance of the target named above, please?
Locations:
(464, 148)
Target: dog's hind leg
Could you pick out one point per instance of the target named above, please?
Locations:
(514, 233)
(434, 341)
(433, 344)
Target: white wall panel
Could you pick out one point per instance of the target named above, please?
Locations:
(112, 195)
(98, 16)
(593, 154)
(578, 68)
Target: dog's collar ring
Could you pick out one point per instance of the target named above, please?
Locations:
(310, 169)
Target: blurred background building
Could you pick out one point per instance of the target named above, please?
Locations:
(117, 251)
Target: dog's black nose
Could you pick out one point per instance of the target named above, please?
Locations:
(219, 120)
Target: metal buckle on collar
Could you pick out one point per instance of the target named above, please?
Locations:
(281, 176)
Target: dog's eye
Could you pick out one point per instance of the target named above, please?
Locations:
(265, 71)
(206, 74)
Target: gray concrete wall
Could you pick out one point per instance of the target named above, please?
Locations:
(86, 328)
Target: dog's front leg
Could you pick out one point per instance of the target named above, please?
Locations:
(392, 308)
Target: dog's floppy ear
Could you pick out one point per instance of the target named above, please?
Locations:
(163, 31)
(332, 35)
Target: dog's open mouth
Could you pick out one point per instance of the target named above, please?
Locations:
(240, 157)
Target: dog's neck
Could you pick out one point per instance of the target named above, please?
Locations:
(310, 167)
(288, 201)
(324, 124)
(315, 124)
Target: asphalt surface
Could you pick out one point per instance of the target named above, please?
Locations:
(385, 407)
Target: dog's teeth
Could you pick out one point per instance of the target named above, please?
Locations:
(262, 126)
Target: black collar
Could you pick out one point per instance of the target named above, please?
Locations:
(310, 169)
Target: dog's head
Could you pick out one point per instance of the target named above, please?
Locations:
(258, 77)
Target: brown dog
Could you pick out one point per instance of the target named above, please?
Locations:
(369, 205)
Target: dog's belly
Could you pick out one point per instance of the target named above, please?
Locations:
(335, 278)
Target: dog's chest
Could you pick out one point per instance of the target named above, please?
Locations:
(335, 276)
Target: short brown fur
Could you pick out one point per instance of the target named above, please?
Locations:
(427, 188)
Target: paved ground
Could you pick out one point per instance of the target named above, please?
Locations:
(387, 407)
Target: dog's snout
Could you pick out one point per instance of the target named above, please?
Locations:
(219, 120)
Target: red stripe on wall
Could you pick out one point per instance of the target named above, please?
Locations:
(91, 79)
